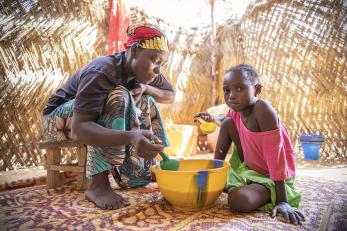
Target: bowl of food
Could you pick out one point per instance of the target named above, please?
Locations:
(195, 185)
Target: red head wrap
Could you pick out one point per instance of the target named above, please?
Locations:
(146, 36)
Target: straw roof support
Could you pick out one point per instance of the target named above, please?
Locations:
(213, 54)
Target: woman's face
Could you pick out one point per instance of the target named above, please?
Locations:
(146, 64)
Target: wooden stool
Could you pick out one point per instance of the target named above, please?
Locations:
(202, 145)
(53, 162)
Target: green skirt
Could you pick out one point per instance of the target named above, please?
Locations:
(240, 175)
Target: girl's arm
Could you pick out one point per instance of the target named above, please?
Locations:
(282, 206)
(266, 116)
(267, 120)
(281, 194)
(227, 134)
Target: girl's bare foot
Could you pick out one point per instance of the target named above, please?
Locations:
(101, 194)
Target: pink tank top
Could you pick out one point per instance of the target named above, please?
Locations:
(269, 152)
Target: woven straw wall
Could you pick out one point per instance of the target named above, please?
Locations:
(298, 48)
(42, 43)
(188, 68)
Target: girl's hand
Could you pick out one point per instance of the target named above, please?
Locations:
(206, 116)
(290, 215)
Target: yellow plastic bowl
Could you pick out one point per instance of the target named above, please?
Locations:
(208, 128)
(196, 185)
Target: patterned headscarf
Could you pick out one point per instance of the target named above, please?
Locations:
(146, 36)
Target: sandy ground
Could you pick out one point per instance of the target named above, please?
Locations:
(331, 170)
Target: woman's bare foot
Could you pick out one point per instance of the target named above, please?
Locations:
(101, 194)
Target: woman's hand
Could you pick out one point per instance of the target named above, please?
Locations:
(141, 142)
(138, 91)
(290, 215)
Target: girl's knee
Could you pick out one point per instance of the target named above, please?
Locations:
(240, 200)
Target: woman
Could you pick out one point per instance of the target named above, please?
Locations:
(109, 104)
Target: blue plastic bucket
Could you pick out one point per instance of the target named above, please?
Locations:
(311, 138)
(311, 145)
(311, 150)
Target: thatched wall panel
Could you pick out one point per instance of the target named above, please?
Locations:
(298, 48)
(40, 48)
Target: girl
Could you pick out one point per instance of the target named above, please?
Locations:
(263, 167)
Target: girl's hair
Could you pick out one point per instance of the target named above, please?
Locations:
(247, 71)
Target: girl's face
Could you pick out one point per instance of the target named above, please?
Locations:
(146, 64)
(239, 92)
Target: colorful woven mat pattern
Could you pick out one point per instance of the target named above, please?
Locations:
(66, 209)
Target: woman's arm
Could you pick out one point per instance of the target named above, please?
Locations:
(85, 130)
(160, 88)
(161, 96)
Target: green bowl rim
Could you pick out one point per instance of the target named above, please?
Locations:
(156, 169)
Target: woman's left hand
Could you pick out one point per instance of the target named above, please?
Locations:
(138, 91)
(290, 215)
